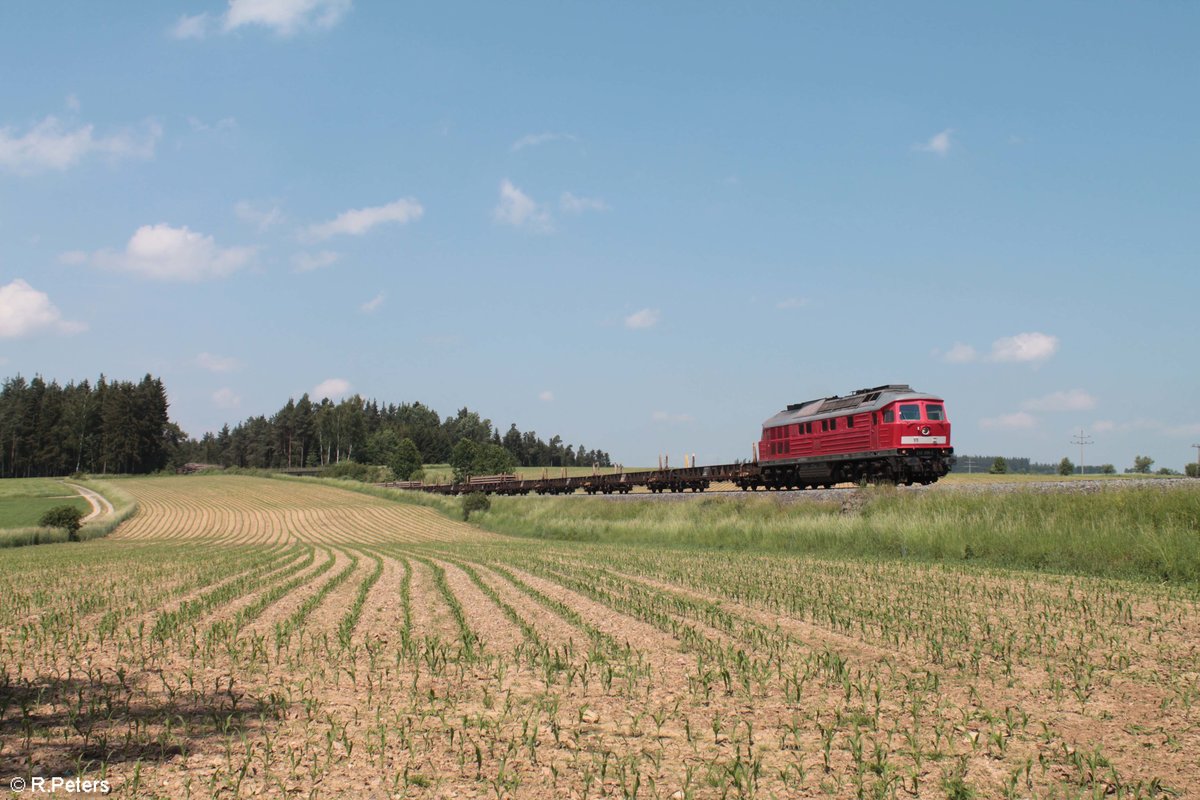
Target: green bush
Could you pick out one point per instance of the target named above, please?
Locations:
(474, 501)
(354, 471)
(69, 518)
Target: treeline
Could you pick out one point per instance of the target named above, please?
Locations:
(124, 427)
(110, 426)
(1024, 466)
(308, 434)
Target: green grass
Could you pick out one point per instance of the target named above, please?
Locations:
(23, 501)
(20, 499)
(1144, 532)
(1149, 533)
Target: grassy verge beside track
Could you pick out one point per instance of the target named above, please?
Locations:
(1137, 532)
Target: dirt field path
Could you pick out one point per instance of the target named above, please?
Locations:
(99, 503)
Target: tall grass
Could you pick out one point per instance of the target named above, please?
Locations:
(1130, 532)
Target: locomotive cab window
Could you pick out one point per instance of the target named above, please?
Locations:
(849, 422)
(889, 416)
(824, 424)
(909, 411)
(935, 412)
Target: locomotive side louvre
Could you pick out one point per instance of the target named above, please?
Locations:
(887, 433)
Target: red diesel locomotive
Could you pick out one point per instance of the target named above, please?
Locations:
(885, 434)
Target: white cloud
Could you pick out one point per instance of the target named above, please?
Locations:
(372, 305)
(307, 262)
(646, 318)
(520, 211)
(190, 27)
(51, 145)
(960, 354)
(333, 388)
(358, 221)
(663, 416)
(1192, 429)
(791, 303)
(1019, 420)
(1071, 400)
(546, 396)
(258, 217)
(73, 257)
(24, 311)
(285, 17)
(226, 398)
(573, 204)
(535, 139)
(1025, 347)
(214, 363)
(174, 254)
(939, 143)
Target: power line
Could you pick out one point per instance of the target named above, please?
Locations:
(1083, 440)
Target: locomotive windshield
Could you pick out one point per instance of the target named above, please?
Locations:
(909, 411)
(934, 412)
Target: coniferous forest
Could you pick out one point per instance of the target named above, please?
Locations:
(121, 427)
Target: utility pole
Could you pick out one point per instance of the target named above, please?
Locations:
(1197, 446)
(1082, 440)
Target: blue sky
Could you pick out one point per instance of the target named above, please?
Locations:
(646, 227)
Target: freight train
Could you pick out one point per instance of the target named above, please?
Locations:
(886, 434)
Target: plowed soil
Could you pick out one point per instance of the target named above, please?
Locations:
(251, 637)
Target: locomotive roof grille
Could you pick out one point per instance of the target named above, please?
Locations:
(858, 398)
(865, 399)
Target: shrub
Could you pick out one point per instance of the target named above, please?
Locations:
(474, 501)
(68, 518)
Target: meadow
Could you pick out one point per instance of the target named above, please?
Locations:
(23, 501)
(243, 636)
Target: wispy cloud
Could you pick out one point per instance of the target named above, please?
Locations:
(520, 211)
(165, 253)
(646, 318)
(1025, 347)
(1070, 400)
(546, 396)
(792, 303)
(372, 305)
(222, 125)
(308, 262)
(333, 388)
(1019, 420)
(358, 221)
(261, 218)
(938, 144)
(573, 204)
(25, 311)
(214, 363)
(196, 26)
(960, 354)
(53, 145)
(285, 17)
(535, 139)
(226, 398)
(1028, 348)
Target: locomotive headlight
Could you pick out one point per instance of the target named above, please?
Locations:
(924, 430)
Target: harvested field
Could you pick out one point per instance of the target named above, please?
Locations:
(250, 637)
